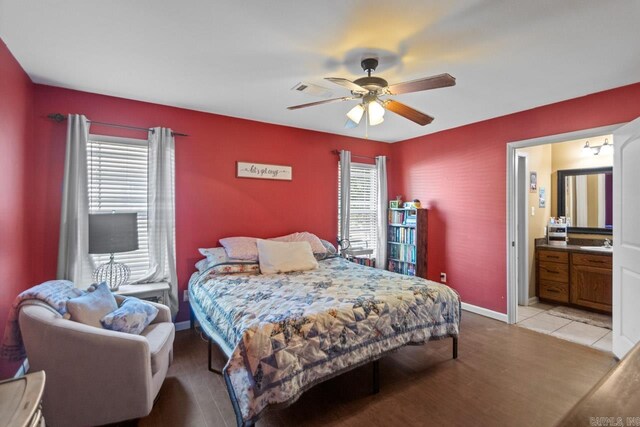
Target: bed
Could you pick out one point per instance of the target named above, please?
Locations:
(285, 333)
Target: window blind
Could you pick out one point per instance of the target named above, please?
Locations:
(364, 206)
(118, 181)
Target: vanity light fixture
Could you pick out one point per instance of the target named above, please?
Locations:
(606, 148)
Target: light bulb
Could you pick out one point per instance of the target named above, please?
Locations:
(376, 113)
(587, 150)
(355, 114)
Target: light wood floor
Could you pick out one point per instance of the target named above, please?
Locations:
(505, 375)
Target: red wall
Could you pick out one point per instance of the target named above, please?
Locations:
(211, 202)
(460, 174)
(16, 116)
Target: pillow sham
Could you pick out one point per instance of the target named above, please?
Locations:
(331, 250)
(284, 257)
(92, 306)
(227, 268)
(316, 244)
(243, 248)
(132, 317)
(218, 262)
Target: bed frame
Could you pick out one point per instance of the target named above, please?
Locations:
(375, 363)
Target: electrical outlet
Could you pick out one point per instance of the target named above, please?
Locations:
(185, 296)
(443, 277)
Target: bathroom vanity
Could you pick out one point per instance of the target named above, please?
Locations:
(575, 275)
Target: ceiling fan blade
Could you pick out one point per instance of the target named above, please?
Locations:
(407, 112)
(326, 101)
(347, 83)
(433, 82)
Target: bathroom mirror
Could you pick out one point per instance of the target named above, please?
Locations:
(585, 198)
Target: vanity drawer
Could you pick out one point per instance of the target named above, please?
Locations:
(554, 271)
(554, 291)
(602, 261)
(553, 256)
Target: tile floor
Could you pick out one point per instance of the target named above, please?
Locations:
(534, 317)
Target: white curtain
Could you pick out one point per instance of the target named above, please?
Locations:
(602, 202)
(74, 262)
(345, 193)
(381, 256)
(582, 198)
(162, 213)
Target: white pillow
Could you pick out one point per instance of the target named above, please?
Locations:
(283, 257)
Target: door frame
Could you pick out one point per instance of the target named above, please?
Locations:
(512, 258)
(523, 287)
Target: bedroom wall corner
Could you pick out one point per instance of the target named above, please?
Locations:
(16, 120)
(460, 175)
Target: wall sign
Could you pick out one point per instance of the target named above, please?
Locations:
(263, 171)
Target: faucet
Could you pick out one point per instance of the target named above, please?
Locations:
(607, 243)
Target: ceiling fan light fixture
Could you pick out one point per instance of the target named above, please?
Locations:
(375, 112)
(355, 114)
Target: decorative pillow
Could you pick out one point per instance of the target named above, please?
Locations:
(283, 257)
(316, 244)
(331, 250)
(243, 248)
(218, 262)
(228, 268)
(92, 306)
(132, 317)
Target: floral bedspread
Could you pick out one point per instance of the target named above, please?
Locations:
(291, 331)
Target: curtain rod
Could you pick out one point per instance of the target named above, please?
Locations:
(337, 152)
(57, 117)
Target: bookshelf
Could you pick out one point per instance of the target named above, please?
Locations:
(407, 241)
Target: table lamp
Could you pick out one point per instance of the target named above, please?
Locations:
(111, 233)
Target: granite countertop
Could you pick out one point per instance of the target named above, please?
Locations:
(575, 248)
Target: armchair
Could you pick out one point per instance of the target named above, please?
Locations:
(96, 376)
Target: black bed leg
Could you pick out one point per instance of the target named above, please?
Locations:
(192, 318)
(376, 377)
(455, 347)
(211, 369)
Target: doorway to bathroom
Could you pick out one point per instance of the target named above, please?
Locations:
(561, 214)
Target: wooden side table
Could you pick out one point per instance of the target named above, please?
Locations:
(156, 292)
(20, 400)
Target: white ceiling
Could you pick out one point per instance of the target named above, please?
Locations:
(241, 58)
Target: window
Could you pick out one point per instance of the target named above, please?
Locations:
(117, 171)
(364, 206)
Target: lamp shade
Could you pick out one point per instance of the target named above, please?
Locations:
(376, 113)
(113, 232)
(355, 114)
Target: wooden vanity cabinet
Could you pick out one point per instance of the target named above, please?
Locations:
(591, 281)
(575, 278)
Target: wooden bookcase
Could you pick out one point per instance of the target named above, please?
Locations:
(407, 242)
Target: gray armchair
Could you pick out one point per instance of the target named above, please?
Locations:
(96, 376)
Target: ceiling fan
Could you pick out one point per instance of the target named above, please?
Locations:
(370, 90)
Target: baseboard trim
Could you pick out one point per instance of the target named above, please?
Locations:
(533, 300)
(183, 326)
(485, 312)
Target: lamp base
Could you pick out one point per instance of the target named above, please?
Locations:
(113, 273)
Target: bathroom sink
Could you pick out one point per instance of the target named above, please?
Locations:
(597, 248)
